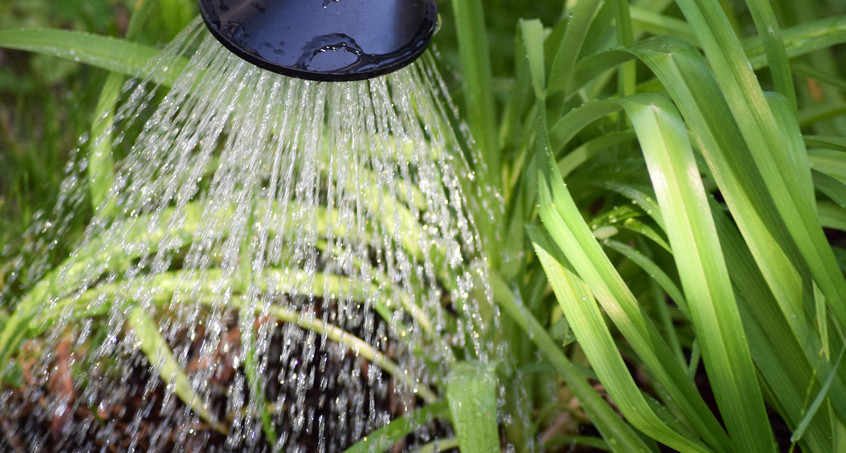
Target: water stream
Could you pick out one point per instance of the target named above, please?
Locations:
(280, 264)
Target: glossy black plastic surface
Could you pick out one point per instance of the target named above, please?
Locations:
(328, 40)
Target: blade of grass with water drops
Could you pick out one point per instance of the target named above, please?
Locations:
(100, 162)
(384, 438)
(248, 331)
(161, 358)
(477, 77)
(113, 54)
(168, 284)
(471, 393)
(97, 254)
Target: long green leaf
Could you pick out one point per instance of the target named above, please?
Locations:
(770, 32)
(574, 238)
(818, 400)
(564, 61)
(687, 78)
(471, 392)
(800, 40)
(653, 270)
(382, 439)
(619, 434)
(759, 128)
(100, 163)
(787, 363)
(166, 366)
(167, 284)
(595, 339)
(702, 269)
(478, 84)
(113, 54)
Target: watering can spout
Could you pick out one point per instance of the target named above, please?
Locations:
(325, 40)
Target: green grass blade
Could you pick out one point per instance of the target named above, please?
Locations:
(587, 322)
(255, 383)
(684, 73)
(477, 80)
(686, 77)
(15, 329)
(832, 187)
(787, 362)
(384, 438)
(113, 54)
(619, 434)
(818, 400)
(532, 32)
(759, 129)
(574, 238)
(575, 158)
(770, 32)
(800, 40)
(100, 163)
(653, 270)
(627, 83)
(639, 196)
(831, 216)
(702, 269)
(829, 142)
(286, 281)
(788, 125)
(647, 231)
(656, 23)
(162, 360)
(471, 392)
(564, 61)
(831, 162)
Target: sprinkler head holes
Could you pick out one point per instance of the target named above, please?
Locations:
(326, 40)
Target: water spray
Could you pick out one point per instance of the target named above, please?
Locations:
(324, 40)
(291, 265)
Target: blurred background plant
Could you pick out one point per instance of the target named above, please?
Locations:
(46, 106)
